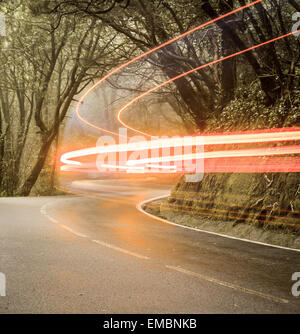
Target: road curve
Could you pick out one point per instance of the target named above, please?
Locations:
(99, 254)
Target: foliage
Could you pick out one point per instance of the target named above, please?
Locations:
(44, 67)
(55, 49)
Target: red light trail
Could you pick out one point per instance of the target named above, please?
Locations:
(189, 72)
(143, 55)
(259, 136)
(153, 163)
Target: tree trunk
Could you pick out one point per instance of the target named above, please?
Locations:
(268, 85)
(36, 170)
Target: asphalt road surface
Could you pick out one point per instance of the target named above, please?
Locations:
(73, 254)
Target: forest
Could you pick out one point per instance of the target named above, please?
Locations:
(53, 51)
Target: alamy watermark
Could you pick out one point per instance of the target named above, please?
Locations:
(159, 154)
(2, 285)
(296, 286)
(296, 26)
(2, 25)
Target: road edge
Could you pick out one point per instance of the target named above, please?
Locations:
(140, 205)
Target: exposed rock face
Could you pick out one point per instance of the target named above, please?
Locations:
(272, 199)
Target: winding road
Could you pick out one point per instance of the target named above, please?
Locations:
(99, 254)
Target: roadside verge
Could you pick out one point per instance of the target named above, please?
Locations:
(243, 231)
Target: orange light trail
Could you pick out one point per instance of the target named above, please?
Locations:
(220, 154)
(143, 55)
(217, 165)
(189, 72)
(260, 136)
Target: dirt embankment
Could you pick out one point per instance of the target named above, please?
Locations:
(213, 206)
(244, 205)
(259, 206)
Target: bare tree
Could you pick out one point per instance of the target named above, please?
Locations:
(44, 68)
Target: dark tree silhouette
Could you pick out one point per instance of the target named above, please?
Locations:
(91, 7)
